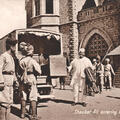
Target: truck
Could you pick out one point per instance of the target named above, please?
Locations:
(48, 52)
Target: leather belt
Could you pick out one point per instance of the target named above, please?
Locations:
(8, 73)
(29, 73)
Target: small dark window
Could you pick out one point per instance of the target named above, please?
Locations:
(49, 6)
(37, 7)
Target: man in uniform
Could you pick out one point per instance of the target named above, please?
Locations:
(78, 66)
(99, 74)
(107, 73)
(30, 66)
(7, 75)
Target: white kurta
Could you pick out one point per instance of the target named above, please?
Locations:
(78, 66)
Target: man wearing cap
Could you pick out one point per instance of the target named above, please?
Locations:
(107, 73)
(78, 66)
(7, 74)
(30, 66)
(99, 74)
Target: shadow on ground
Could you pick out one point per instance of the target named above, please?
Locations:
(62, 101)
(113, 97)
(15, 111)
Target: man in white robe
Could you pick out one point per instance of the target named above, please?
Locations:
(78, 66)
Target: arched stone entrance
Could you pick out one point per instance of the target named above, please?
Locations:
(96, 45)
(96, 42)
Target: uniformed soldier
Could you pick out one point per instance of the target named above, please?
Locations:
(7, 75)
(30, 66)
(107, 73)
(99, 74)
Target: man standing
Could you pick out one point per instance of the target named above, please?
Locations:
(78, 66)
(99, 74)
(7, 75)
(29, 88)
(107, 73)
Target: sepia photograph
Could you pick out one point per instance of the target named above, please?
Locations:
(60, 60)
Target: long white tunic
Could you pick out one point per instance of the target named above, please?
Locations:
(78, 66)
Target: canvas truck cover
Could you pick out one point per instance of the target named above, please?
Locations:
(58, 65)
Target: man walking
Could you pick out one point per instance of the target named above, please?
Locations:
(7, 76)
(78, 66)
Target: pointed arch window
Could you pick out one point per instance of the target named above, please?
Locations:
(49, 6)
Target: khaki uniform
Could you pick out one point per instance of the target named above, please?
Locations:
(7, 75)
(78, 66)
(99, 76)
(107, 73)
(31, 65)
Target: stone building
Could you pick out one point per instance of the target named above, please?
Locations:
(96, 26)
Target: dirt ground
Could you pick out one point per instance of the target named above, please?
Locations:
(105, 106)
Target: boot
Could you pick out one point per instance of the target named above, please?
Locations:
(63, 86)
(34, 110)
(23, 106)
(60, 87)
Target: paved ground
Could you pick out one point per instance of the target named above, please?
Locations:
(105, 106)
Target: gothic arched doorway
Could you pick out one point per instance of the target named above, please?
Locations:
(96, 45)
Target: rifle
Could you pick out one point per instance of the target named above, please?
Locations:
(106, 53)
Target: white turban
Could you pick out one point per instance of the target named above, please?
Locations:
(107, 59)
(81, 50)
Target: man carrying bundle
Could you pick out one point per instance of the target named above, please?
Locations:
(78, 66)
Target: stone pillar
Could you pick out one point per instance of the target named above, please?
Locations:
(56, 7)
(33, 8)
(42, 7)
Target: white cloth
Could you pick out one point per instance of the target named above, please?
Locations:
(78, 66)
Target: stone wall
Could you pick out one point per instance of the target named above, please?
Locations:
(105, 18)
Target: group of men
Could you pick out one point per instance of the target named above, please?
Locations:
(26, 66)
(88, 77)
(10, 63)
